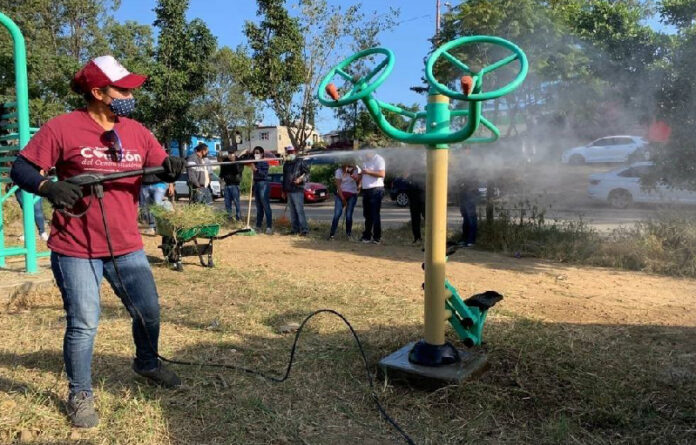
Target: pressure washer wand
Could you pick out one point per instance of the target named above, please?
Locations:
(86, 179)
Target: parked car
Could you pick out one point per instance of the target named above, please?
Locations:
(621, 187)
(313, 191)
(397, 192)
(607, 149)
(399, 186)
(181, 188)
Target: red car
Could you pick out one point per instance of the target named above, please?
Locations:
(313, 191)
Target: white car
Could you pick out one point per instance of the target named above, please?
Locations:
(608, 149)
(621, 187)
(181, 188)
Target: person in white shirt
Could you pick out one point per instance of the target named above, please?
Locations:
(347, 178)
(373, 172)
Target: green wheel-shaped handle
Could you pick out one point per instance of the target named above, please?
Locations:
(443, 51)
(362, 87)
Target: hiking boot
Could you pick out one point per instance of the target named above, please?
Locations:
(81, 410)
(269, 231)
(161, 375)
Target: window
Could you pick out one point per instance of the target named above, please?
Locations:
(623, 141)
(217, 146)
(315, 138)
(264, 135)
(629, 173)
(636, 171)
(602, 142)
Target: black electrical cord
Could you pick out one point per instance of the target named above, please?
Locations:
(98, 191)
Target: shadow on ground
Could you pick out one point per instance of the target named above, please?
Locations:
(548, 383)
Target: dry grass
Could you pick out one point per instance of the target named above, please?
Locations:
(665, 245)
(549, 383)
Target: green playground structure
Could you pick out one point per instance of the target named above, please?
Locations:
(14, 136)
(442, 301)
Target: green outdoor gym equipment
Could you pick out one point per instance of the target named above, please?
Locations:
(15, 118)
(442, 301)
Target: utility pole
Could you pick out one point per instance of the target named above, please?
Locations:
(437, 20)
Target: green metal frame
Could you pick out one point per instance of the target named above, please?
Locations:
(23, 132)
(467, 321)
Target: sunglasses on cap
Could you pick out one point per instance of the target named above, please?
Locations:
(114, 144)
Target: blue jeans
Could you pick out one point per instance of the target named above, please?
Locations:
(372, 205)
(232, 196)
(338, 210)
(78, 280)
(202, 195)
(38, 212)
(151, 194)
(262, 196)
(470, 223)
(298, 221)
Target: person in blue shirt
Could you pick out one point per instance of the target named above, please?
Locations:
(262, 192)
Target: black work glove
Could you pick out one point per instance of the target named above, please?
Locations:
(62, 194)
(173, 166)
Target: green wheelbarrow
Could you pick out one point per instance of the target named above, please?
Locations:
(174, 248)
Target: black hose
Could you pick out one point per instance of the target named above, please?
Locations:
(98, 190)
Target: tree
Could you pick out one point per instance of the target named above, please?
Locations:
(276, 66)
(226, 106)
(581, 53)
(60, 36)
(290, 55)
(178, 74)
(676, 161)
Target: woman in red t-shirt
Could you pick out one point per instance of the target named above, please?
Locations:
(99, 139)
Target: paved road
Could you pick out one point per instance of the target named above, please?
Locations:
(597, 215)
(560, 189)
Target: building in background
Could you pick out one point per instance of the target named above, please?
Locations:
(274, 139)
(214, 144)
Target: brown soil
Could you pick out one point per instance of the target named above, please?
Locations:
(537, 289)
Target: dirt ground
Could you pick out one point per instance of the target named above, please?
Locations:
(576, 354)
(546, 291)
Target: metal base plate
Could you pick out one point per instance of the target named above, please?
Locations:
(397, 367)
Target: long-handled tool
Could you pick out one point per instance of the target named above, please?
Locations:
(250, 231)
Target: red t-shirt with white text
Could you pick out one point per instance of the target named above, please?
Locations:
(74, 143)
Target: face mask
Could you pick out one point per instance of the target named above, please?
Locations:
(291, 157)
(257, 156)
(122, 107)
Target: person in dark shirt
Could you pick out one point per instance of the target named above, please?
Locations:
(262, 191)
(468, 199)
(415, 190)
(232, 175)
(295, 173)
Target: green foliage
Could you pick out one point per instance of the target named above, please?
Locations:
(666, 245)
(60, 35)
(276, 66)
(179, 73)
(580, 52)
(362, 127)
(324, 174)
(677, 99)
(289, 55)
(226, 106)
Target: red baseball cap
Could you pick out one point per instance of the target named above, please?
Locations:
(106, 71)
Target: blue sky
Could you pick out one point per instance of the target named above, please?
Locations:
(408, 41)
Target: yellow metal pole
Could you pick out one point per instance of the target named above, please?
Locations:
(435, 245)
(432, 350)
